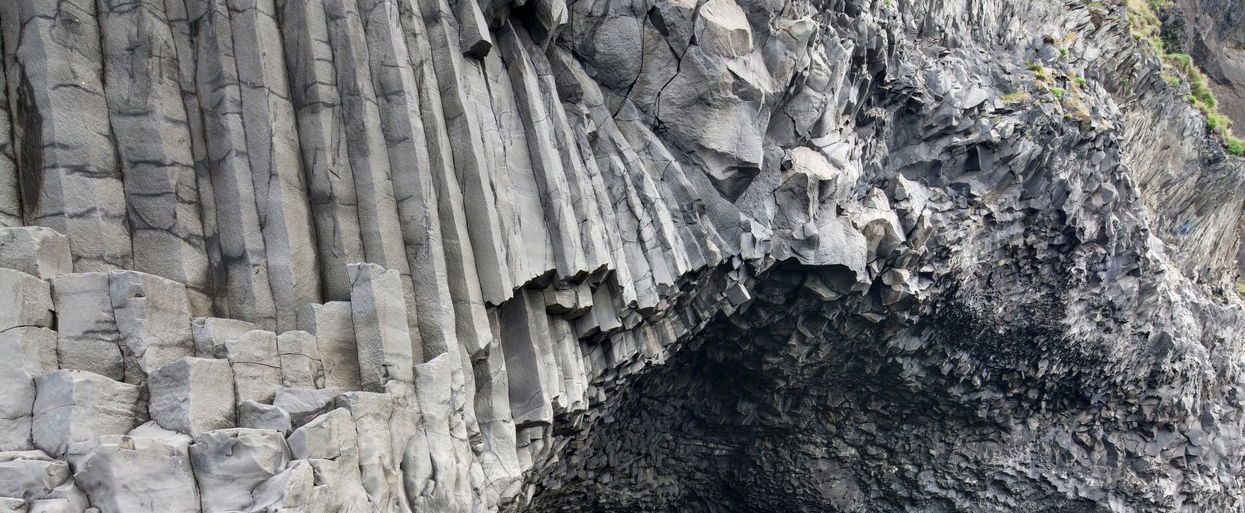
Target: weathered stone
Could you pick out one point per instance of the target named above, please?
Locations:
(29, 353)
(276, 166)
(256, 366)
(87, 336)
(211, 334)
(37, 251)
(230, 463)
(263, 416)
(150, 130)
(301, 363)
(73, 406)
(121, 473)
(32, 476)
(153, 318)
(192, 395)
(61, 129)
(28, 300)
(303, 404)
(333, 326)
(380, 326)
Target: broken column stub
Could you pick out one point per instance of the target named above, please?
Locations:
(380, 326)
(153, 318)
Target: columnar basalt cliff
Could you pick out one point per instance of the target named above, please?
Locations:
(641, 255)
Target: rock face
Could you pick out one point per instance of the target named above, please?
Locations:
(446, 256)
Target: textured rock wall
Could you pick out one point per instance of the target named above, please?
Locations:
(716, 255)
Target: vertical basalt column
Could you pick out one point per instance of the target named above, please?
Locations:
(322, 137)
(276, 167)
(179, 27)
(10, 186)
(65, 154)
(550, 176)
(153, 144)
(397, 96)
(243, 253)
(478, 196)
(471, 320)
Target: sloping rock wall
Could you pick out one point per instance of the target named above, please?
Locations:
(714, 255)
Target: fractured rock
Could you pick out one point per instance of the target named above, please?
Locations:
(301, 364)
(230, 463)
(256, 365)
(380, 326)
(121, 474)
(153, 317)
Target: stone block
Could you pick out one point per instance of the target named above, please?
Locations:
(35, 250)
(229, 463)
(30, 352)
(333, 325)
(211, 333)
(153, 317)
(380, 326)
(304, 404)
(192, 395)
(87, 337)
(263, 416)
(73, 406)
(301, 365)
(121, 474)
(256, 366)
(28, 300)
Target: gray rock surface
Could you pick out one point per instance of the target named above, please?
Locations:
(533, 256)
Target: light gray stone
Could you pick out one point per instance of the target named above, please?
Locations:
(380, 326)
(256, 366)
(301, 363)
(150, 130)
(121, 474)
(263, 416)
(28, 300)
(303, 404)
(275, 159)
(192, 395)
(153, 318)
(230, 463)
(87, 336)
(73, 406)
(211, 334)
(66, 155)
(29, 353)
(34, 250)
(34, 476)
(333, 326)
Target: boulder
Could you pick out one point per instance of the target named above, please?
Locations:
(153, 317)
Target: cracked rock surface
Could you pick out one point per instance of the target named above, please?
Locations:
(441, 256)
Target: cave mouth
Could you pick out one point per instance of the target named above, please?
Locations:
(789, 404)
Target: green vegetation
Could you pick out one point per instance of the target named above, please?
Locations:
(1144, 24)
(1059, 93)
(1015, 97)
(1079, 81)
(1094, 5)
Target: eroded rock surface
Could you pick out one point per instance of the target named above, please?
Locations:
(447, 256)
